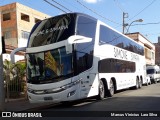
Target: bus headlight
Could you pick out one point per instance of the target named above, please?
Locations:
(54, 90)
(36, 91)
(70, 84)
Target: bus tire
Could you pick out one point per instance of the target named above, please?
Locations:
(147, 83)
(101, 94)
(137, 84)
(140, 83)
(111, 90)
(155, 81)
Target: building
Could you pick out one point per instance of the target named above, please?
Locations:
(149, 48)
(157, 47)
(17, 21)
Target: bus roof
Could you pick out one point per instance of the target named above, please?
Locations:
(74, 13)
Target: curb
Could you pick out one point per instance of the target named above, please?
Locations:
(40, 107)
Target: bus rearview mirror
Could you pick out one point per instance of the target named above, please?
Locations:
(12, 55)
(76, 39)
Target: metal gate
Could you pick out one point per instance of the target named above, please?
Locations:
(15, 89)
(14, 80)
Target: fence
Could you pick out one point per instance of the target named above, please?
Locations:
(15, 89)
(14, 80)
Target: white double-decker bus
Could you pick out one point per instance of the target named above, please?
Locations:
(74, 56)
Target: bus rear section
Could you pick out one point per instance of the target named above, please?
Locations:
(153, 71)
(122, 61)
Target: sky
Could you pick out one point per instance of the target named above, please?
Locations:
(108, 11)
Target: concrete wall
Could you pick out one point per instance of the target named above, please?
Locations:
(16, 24)
(26, 26)
(149, 47)
(9, 25)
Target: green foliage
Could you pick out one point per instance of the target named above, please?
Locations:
(14, 77)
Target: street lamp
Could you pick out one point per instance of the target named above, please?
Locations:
(139, 20)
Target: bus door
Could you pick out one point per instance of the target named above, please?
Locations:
(84, 87)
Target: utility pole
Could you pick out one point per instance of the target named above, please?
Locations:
(125, 15)
(123, 23)
(2, 95)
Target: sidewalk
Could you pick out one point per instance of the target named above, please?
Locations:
(24, 105)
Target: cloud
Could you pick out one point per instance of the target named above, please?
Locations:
(92, 1)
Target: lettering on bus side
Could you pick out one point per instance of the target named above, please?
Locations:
(120, 53)
(134, 57)
(45, 31)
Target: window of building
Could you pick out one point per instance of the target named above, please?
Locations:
(7, 34)
(152, 55)
(6, 16)
(24, 34)
(25, 17)
(36, 20)
(148, 53)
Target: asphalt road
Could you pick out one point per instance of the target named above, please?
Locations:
(141, 104)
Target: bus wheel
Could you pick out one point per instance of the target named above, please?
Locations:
(147, 83)
(137, 84)
(101, 94)
(155, 81)
(111, 89)
(140, 83)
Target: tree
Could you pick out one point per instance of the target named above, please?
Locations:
(14, 78)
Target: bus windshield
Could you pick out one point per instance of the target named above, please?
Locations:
(50, 66)
(53, 65)
(150, 71)
(52, 30)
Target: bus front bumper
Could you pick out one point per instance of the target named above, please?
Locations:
(70, 94)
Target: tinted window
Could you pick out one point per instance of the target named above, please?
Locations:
(150, 71)
(108, 36)
(49, 66)
(116, 66)
(52, 30)
(84, 56)
(84, 51)
(86, 27)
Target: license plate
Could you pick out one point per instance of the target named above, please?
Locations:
(48, 98)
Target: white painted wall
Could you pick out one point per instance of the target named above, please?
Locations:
(17, 57)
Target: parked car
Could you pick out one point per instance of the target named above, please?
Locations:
(154, 73)
(148, 80)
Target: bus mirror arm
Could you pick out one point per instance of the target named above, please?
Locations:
(76, 39)
(15, 51)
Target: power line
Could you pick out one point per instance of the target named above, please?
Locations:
(119, 6)
(38, 7)
(155, 23)
(61, 5)
(55, 6)
(142, 10)
(72, 5)
(153, 33)
(147, 24)
(96, 12)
